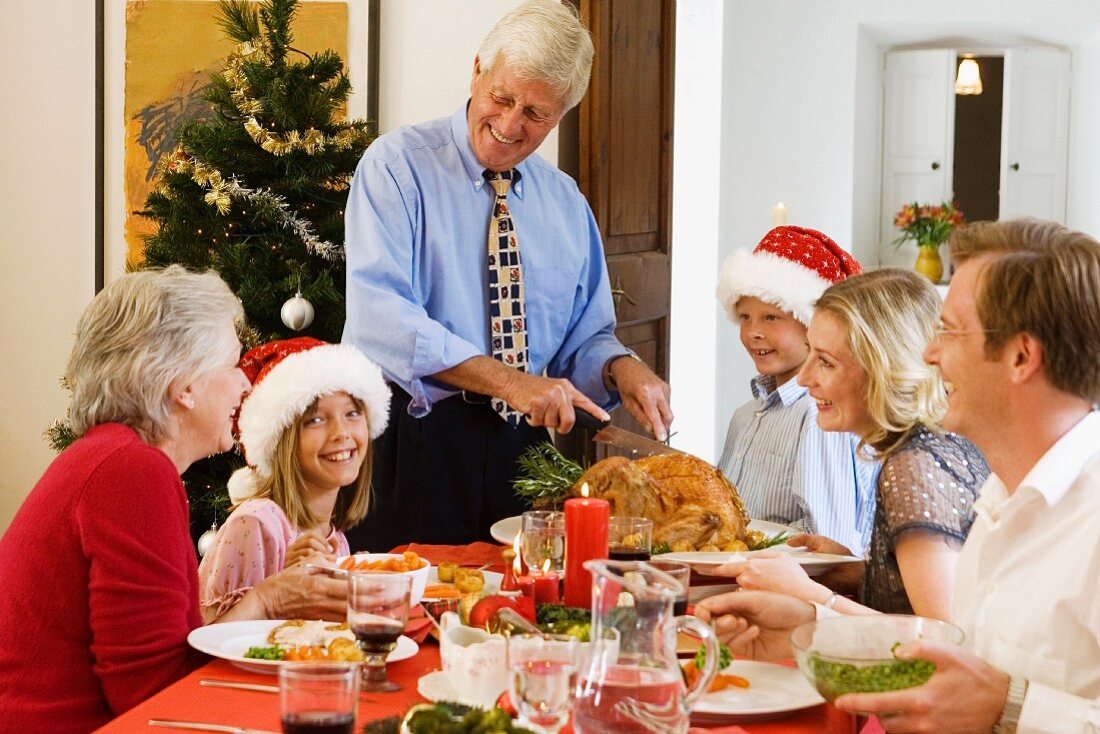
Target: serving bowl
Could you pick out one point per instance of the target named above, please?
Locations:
(419, 575)
(854, 653)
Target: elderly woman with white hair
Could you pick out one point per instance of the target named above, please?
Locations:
(97, 567)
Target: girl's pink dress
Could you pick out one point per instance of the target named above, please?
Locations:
(250, 546)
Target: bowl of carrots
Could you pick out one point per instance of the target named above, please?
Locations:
(407, 563)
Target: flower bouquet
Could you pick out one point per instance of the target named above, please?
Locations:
(927, 225)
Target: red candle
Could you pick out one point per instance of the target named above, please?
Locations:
(526, 586)
(546, 587)
(585, 538)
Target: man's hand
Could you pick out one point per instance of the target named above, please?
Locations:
(644, 394)
(548, 401)
(964, 695)
(755, 624)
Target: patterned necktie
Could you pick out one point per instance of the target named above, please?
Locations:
(507, 312)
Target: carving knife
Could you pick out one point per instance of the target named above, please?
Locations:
(621, 438)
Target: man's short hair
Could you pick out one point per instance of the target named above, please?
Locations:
(543, 40)
(1044, 279)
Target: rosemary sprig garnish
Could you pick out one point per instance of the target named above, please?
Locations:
(545, 475)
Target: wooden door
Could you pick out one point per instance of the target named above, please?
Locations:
(1035, 138)
(618, 145)
(918, 125)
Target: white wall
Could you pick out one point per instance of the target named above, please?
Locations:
(801, 95)
(47, 215)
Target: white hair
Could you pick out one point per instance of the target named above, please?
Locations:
(140, 334)
(543, 40)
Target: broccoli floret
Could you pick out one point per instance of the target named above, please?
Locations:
(725, 657)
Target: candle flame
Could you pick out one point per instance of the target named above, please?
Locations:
(517, 564)
(546, 566)
(584, 489)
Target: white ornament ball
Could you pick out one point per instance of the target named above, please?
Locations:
(297, 313)
(206, 540)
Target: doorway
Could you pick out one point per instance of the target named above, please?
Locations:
(978, 143)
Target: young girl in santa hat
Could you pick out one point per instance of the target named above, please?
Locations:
(306, 430)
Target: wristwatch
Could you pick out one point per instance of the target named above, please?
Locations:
(1014, 704)
(609, 377)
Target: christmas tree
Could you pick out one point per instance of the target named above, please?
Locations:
(256, 190)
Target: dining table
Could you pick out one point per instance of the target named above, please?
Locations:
(193, 699)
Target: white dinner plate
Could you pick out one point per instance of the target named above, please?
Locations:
(814, 564)
(492, 581)
(436, 686)
(773, 689)
(504, 531)
(231, 640)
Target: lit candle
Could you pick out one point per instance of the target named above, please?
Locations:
(779, 214)
(517, 544)
(547, 590)
(585, 538)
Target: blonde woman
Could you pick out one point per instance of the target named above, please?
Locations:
(867, 375)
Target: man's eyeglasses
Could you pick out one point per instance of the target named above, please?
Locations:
(942, 332)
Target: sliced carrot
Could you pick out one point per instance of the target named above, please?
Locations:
(441, 591)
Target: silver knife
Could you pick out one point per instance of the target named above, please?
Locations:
(621, 438)
(215, 683)
(195, 725)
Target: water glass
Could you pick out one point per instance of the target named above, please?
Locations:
(318, 698)
(378, 607)
(629, 538)
(542, 679)
(543, 538)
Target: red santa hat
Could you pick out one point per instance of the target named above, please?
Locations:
(790, 268)
(287, 377)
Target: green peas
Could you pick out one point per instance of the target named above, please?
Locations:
(836, 679)
(265, 653)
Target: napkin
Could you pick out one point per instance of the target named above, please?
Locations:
(418, 625)
(474, 554)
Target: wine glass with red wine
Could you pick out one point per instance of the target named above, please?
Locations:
(629, 538)
(318, 698)
(378, 606)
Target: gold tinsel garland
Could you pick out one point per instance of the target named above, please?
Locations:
(222, 192)
(312, 141)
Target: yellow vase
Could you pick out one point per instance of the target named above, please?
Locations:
(929, 263)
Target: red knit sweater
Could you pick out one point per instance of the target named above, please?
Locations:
(98, 586)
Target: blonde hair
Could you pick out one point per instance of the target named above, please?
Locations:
(285, 483)
(138, 336)
(1043, 279)
(890, 316)
(543, 40)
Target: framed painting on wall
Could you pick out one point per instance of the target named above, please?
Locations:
(155, 57)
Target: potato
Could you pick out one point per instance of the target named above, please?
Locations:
(708, 548)
(469, 580)
(682, 546)
(735, 546)
(446, 570)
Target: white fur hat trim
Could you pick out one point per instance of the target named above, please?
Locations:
(770, 278)
(284, 393)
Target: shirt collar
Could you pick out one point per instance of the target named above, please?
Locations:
(460, 131)
(763, 387)
(1060, 466)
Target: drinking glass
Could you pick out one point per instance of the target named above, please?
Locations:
(543, 537)
(682, 573)
(629, 538)
(542, 678)
(378, 607)
(318, 698)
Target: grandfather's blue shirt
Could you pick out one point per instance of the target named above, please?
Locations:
(417, 224)
(788, 470)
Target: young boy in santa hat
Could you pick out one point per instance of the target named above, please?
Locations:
(786, 469)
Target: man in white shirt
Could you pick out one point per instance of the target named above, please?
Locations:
(1019, 347)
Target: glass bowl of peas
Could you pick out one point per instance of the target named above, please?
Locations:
(855, 653)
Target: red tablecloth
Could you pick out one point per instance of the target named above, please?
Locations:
(187, 700)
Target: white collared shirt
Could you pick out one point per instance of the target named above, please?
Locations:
(1027, 587)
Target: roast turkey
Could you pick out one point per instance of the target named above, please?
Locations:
(692, 505)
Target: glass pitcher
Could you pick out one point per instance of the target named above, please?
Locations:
(632, 683)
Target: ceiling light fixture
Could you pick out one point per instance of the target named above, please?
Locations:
(969, 79)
